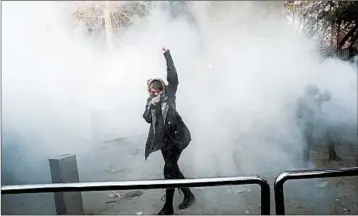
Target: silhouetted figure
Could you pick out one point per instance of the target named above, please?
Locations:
(309, 114)
(168, 132)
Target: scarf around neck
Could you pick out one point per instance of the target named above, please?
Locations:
(164, 108)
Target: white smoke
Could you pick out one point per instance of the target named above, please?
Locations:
(241, 69)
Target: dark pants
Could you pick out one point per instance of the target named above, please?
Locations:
(171, 171)
(332, 154)
(309, 142)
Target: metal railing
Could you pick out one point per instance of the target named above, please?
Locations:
(305, 174)
(149, 184)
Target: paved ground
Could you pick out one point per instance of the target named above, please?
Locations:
(326, 196)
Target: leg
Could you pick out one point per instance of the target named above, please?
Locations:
(332, 154)
(307, 146)
(308, 141)
(189, 197)
(169, 173)
(172, 171)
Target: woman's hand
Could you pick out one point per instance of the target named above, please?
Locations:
(155, 100)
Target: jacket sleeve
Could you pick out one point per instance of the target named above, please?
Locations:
(147, 115)
(172, 75)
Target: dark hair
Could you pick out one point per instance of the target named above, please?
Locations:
(157, 85)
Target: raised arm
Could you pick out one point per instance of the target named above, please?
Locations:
(172, 75)
(326, 96)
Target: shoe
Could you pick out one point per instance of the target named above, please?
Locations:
(166, 210)
(334, 158)
(188, 200)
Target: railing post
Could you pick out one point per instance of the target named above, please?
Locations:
(279, 195)
(305, 174)
(149, 184)
(64, 170)
(265, 197)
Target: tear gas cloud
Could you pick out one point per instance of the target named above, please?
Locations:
(240, 110)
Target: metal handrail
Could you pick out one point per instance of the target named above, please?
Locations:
(148, 184)
(305, 174)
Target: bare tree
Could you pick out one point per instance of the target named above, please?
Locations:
(333, 23)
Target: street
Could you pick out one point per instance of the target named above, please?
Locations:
(111, 163)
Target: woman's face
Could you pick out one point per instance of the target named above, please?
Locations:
(154, 92)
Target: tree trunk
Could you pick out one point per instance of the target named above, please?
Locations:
(353, 40)
(338, 33)
(332, 28)
(332, 33)
(347, 36)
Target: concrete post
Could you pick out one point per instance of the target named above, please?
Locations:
(64, 170)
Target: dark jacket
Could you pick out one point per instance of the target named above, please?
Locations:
(309, 107)
(167, 129)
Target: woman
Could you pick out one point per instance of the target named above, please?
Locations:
(167, 133)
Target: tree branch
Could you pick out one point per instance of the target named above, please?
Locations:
(347, 36)
(353, 40)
